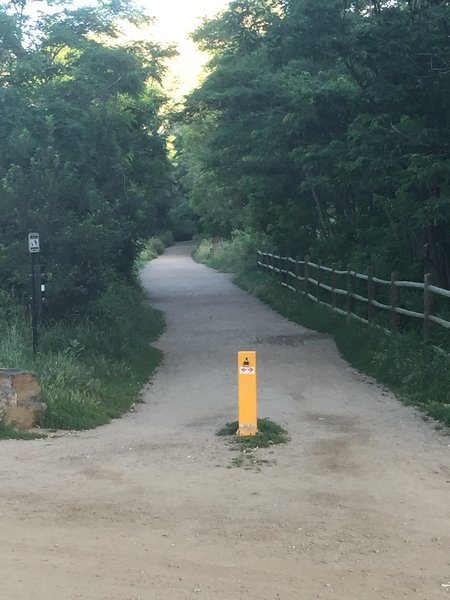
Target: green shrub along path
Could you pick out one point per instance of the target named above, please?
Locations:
(91, 369)
(156, 505)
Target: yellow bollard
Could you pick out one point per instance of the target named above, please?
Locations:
(248, 424)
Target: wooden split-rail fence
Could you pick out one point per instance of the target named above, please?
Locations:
(307, 278)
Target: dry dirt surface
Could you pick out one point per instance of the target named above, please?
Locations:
(355, 507)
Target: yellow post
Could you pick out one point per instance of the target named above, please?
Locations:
(247, 394)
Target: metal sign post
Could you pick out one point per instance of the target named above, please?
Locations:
(34, 249)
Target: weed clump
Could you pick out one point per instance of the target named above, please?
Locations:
(269, 434)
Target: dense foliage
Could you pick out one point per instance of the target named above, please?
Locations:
(325, 126)
(83, 159)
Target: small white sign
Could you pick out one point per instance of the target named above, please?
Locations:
(33, 243)
(247, 370)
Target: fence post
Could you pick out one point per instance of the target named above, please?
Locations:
(258, 267)
(427, 307)
(395, 300)
(306, 275)
(333, 285)
(280, 266)
(297, 273)
(272, 270)
(350, 299)
(370, 295)
(319, 280)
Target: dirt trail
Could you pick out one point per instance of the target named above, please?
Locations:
(356, 507)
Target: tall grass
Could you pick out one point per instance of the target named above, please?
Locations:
(91, 367)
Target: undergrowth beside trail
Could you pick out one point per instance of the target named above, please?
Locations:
(234, 256)
(8, 432)
(91, 365)
(416, 372)
(151, 249)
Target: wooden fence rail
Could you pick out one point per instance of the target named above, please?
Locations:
(297, 275)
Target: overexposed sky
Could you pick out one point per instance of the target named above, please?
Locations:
(175, 20)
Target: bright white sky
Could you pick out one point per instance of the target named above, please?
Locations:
(176, 19)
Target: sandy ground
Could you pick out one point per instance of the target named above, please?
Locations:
(356, 507)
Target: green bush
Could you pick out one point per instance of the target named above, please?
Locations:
(235, 255)
(151, 249)
(203, 252)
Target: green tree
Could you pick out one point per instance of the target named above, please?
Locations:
(325, 125)
(83, 159)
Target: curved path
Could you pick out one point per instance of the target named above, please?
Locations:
(356, 507)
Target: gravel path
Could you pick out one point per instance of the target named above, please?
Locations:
(356, 507)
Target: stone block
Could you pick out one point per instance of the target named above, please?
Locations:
(20, 398)
(24, 417)
(8, 395)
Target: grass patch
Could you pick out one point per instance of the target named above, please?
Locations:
(91, 367)
(416, 372)
(106, 361)
(269, 434)
(12, 433)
